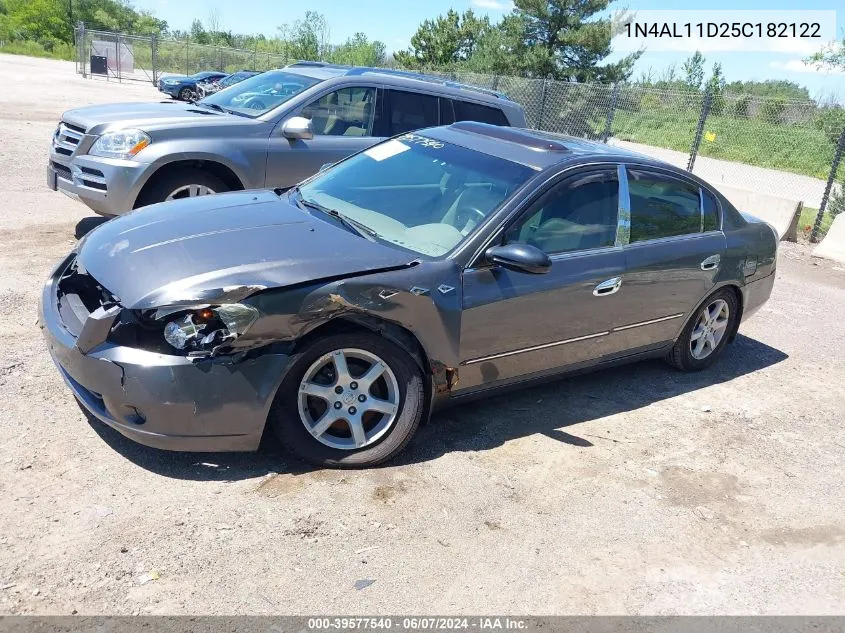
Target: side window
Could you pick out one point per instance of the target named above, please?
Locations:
(344, 112)
(411, 111)
(662, 206)
(466, 111)
(711, 212)
(579, 213)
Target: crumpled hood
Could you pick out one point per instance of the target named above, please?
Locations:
(224, 248)
(114, 116)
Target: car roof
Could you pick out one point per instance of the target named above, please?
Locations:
(400, 79)
(532, 148)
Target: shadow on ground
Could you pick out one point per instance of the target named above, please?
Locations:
(88, 224)
(485, 424)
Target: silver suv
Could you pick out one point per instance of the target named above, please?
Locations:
(272, 130)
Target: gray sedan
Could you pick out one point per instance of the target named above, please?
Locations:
(432, 268)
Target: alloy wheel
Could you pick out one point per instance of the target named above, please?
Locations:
(348, 399)
(190, 191)
(710, 329)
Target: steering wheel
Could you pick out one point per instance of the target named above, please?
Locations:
(468, 217)
(255, 103)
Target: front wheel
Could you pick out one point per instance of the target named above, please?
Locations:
(181, 183)
(704, 337)
(349, 400)
(186, 94)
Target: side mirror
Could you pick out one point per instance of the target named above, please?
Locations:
(522, 258)
(324, 167)
(298, 127)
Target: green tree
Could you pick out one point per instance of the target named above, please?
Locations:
(561, 39)
(359, 51)
(693, 69)
(444, 41)
(716, 88)
(39, 19)
(306, 39)
(832, 55)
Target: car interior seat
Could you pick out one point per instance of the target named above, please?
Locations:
(325, 119)
(359, 115)
(584, 217)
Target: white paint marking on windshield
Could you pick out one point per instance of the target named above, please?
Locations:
(386, 150)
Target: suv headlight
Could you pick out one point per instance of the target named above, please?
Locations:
(120, 144)
(203, 330)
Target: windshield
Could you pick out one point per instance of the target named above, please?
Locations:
(262, 93)
(232, 79)
(416, 192)
(203, 75)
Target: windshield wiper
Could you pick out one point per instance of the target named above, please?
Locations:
(361, 229)
(218, 108)
(213, 106)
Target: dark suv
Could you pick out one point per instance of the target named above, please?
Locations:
(271, 130)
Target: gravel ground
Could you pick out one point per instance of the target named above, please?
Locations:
(628, 491)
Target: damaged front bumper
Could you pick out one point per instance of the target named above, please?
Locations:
(165, 401)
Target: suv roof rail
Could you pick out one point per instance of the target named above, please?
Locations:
(361, 70)
(314, 64)
(526, 138)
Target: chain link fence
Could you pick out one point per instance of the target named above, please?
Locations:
(139, 58)
(767, 145)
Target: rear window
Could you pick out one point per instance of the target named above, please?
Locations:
(711, 212)
(466, 111)
(411, 111)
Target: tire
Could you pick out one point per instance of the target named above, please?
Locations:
(683, 356)
(171, 181)
(185, 94)
(291, 406)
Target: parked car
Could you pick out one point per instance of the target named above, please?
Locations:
(205, 88)
(272, 130)
(185, 88)
(431, 268)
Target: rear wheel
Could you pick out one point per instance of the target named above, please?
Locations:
(181, 183)
(707, 332)
(349, 400)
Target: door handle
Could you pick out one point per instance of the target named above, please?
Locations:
(711, 262)
(607, 288)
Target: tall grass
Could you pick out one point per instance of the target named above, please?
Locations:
(58, 50)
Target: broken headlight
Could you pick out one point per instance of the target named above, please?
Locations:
(204, 329)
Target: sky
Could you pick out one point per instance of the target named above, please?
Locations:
(394, 21)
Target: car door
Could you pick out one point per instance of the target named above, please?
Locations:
(343, 121)
(674, 255)
(516, 323)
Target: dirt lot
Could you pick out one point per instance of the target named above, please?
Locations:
(634, 490)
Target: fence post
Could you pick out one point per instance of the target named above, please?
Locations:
(154, 57)
(117, 61)
(82, 48)
(187, 44)
(542, 104)
(834, 167)
(608, 124)
(699, 130)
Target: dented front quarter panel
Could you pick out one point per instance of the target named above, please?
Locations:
(425, 300)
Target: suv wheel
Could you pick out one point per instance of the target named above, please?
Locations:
(349, 400)
(181, 183)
